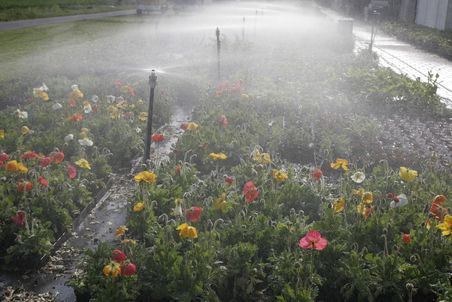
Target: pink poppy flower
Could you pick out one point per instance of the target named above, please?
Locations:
(193, 214)
(229, 179)
(71, 171)
(118, 255)
(4, 156)
(45, 161)
(313, 240)
(29, 155)
(317, 174)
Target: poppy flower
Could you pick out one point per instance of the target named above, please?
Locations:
(128, 269)
(76, 92)
(83, 163)
(358, 177)
(45, 161)
(221, 203)
(19, 218)
(437, 208)
(118, 255)
(21, 114)
(2, 134)
(279, 175)
(71, 171)
(121, 230)
(446, 226)
(113, 269)
(29, 155)
(57, 106)
(157, 137)
(313, 240)
(12, 166)
(317, 174)
(138, 207)
(229, 179)
(177, 211)
(24, 186)
(86, 142)
(68, 138)
(262, 158)
(407, 174)
(223, 121)
(339, 205)
(43, 181)
(193, 214)
(250, 192)
(218, 156)
(340, 163)
(22, 168)
(145, 176)
(187, 231)
(58, 157)
(406, 238)
(4, 156)
(398, 201)
(192, 126)
(76, 117)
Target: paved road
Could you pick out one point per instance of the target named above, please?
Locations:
(407, 59)
(55, 20)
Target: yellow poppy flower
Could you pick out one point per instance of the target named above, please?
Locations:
(192, 126)
(76, 92)
(218, 156)
(367, 197)
(339, 205)
(146, 176)
(262, 158)
(187, 231)
(129, 241)
(22, 168)
(113, 269)
(121, 230)
(446, 226)
(340, 163)
(2, 134)
(114, 112)
(83, 163)
(279, 175)
(138, 207)
(359, 192)
(25, 130)
(221, 203)
(143, 116)
(12, 166)
(106, 270)
(40, 93)
(407, 174)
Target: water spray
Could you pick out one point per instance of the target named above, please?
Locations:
(152, 84)
(218, 52)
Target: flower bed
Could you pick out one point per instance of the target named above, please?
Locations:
(55, 154)
(229, 218)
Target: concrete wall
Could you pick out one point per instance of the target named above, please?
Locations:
(408, 11)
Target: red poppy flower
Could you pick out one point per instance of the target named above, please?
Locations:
(71, 171)
(157, 137)
(184, 126)
(29, 155)
(43, 181)
(229, 179)
(437, 208)
(76, 117)
(250, 192)
(406, 238)
(118, 255)
(193, 214)
(58, 157)
(317, 174)
(4, 156)
(313, 240)
(223, 121)
(128, 269)
(45, 161)
(19, 218)
(24, 186)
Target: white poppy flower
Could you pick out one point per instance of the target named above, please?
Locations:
(68, 138)
(57, 106)
(95, 99)
(44, 87)
(87, 108)
(85, 142)
(74, 87)
(138, 130)
(111, 98)
(21, 114)
(402, 201)
(358, 177)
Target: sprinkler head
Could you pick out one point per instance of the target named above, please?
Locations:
(153, 79)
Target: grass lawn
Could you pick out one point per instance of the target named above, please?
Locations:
(29, 9)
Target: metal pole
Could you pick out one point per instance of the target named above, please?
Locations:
(152, 84)
(218, 52)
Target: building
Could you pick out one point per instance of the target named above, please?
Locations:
(432, 13)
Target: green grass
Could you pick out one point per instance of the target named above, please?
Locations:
(30, 9)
